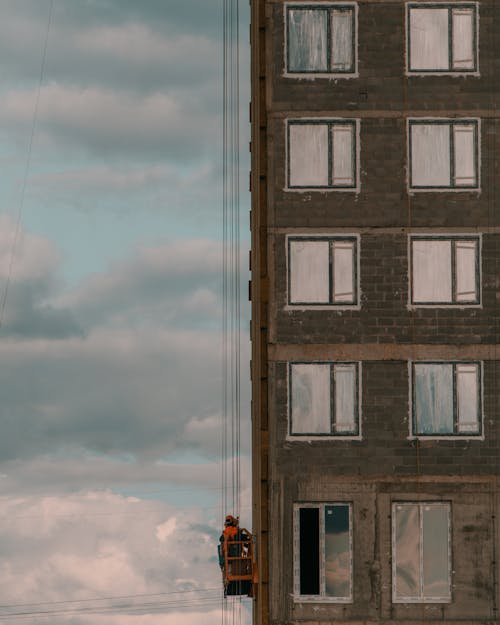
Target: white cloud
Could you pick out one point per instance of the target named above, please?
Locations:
(99, 544)
(137, 44)
(164, 530)
(173, 125)
(32, 257)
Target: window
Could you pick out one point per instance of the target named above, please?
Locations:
(323, 552)
(421, 553)
(324, 399)
(322, 271)
(444, 271)
(322, 154)
(321, 39)
(442, 38)
(443, 154)
(446, 399)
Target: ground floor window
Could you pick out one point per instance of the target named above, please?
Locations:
(421, 553)
(323, 552)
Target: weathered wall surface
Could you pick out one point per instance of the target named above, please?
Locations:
(474, 507)
(384, 333)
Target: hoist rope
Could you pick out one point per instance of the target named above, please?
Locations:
(24, 184)
(231, 287)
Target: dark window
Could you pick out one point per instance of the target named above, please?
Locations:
(323, 552)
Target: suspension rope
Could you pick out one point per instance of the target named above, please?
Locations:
(231, 287)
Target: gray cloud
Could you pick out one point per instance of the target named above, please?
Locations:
(128, 362)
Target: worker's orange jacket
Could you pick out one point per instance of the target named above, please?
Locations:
(230, 532)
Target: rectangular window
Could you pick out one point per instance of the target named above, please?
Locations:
(322, 271)
(323, 552)
(443, 154)
(324, 400)
(444, 271)
(442, 38)
(320, 39)
(421, 556)
(446, 399)
(322, 154)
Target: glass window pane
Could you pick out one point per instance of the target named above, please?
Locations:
(433, 398)
(310, 400)
(309, 551)
(407, 548)
(436, 560)
(429, 39)
(337, 552)
(463, 39)
(430, 155)
(431, 263)
(465, 168)
(309, 271)
(307, 40)
(465, 263)
(341, 23)
(343, 161)
(308, 155)
(343, 271)
(345, 398)
(468, 398)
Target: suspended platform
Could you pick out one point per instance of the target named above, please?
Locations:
(239, 571)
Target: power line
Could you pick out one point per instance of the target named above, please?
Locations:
(17, 228)
(112, 598)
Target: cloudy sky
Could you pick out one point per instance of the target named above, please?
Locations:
(111, 311)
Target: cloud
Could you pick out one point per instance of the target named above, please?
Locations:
(28, 266)
(122, 49)
(128, 362)
(175, 283)
(165, 125)
(145, 556)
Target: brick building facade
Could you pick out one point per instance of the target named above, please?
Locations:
(375, 310)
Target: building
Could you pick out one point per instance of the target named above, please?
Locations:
(375, 310)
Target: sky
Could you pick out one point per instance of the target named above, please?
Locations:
(111, 311)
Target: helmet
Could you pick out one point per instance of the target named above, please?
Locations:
(230, 520)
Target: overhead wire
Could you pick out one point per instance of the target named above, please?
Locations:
(27, 167)
(111, 598)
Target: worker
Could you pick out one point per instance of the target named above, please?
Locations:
(235, 544)
(229, 533)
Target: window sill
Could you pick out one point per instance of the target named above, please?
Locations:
(412, 190)
(326, 75)
(423, 73)
(294, 438)
(460, 305)
(321, 189)
(319, 599)
(321, 307)
(449, 437)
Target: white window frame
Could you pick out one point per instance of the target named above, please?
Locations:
(331, 123)
(456, 435)
(332, 239)
(455, 239)
(327, 7)
(322, 597)
(474, 6)
(421, 598)
(452, 123)
(333, 434)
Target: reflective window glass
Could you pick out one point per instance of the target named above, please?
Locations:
(421, 552)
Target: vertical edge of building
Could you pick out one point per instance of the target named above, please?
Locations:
(258, 294)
